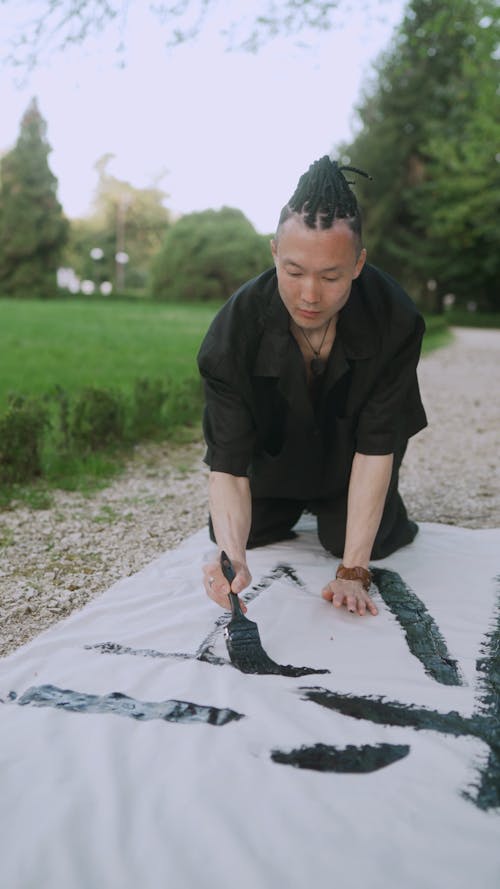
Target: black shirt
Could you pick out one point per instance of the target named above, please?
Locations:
(259, 419)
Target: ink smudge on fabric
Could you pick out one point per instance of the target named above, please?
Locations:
(123, 705)
(326, 758)
(422, 633)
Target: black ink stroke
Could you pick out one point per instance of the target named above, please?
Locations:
(116, 648)
(393, 713)
(325, 758)
(487, 789)
(265, 668)
(422, 633)
(204, 652)
(484, 724)
(123, 705)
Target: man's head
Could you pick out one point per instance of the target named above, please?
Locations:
(318, 249)
(323, 195)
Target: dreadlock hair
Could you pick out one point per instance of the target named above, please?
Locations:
(323, 195)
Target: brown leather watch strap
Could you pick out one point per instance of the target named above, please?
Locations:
(356, 573)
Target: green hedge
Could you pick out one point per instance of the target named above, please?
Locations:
(37, 433)
(463, 318)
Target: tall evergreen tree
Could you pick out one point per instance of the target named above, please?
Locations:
(33, 229)
(427, 140)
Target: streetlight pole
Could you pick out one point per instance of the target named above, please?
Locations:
(121, 257)
(97, 254)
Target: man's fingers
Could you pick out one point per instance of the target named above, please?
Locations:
(220, 595)
(218, 588)
(350, 594)
(352, 603)
(239, 583)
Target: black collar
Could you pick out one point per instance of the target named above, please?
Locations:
(356, 338)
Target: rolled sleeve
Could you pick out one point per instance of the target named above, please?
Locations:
(228, 428)
(393, 411)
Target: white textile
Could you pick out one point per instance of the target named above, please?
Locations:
(97, 799)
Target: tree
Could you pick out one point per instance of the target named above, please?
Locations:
(207, 255)
(65, 22)
(126, 220)
(424, 122)
(458, 201)
(33, 229)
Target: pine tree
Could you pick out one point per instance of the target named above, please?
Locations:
(33, 229)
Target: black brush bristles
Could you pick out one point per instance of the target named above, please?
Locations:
(242, 635)
(243, 640)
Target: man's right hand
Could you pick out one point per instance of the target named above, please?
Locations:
(217, 587)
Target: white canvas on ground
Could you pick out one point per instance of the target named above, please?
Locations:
(134, 755)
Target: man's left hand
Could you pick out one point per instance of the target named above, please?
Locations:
(350, 593)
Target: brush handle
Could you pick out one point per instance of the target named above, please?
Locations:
(235, 605)
(229, 573)
(227, 567)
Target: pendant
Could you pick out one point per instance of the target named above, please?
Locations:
(317, 367)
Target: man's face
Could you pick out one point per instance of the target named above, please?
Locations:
(315, 269)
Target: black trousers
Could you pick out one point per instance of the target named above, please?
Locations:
(273, 520)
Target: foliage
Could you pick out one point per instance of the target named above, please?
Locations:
(465, 318)
(22, 429)
(124, 219)
(32, 226)
(98, 419)
(437, 333)
(428, 138)
(460, 196)
(185, 402)
(207, 255)
(143, 353)
(63, 22)
(149, 398)
(60, 438)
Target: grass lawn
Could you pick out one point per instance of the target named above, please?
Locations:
(437, 333)
(77, 344)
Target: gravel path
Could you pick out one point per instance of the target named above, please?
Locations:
(54, 561)
(451, 471)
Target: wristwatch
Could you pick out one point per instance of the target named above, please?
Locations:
(356, 573)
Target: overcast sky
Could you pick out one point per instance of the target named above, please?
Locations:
(226, 127)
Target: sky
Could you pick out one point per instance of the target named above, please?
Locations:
(221, 128)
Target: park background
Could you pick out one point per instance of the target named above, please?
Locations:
(146, 153)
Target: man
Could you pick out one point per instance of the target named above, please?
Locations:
(311, 396)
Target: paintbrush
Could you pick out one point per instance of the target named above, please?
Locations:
(243, 640)
(242, 635)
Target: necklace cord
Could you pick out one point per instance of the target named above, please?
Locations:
(317, 352)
